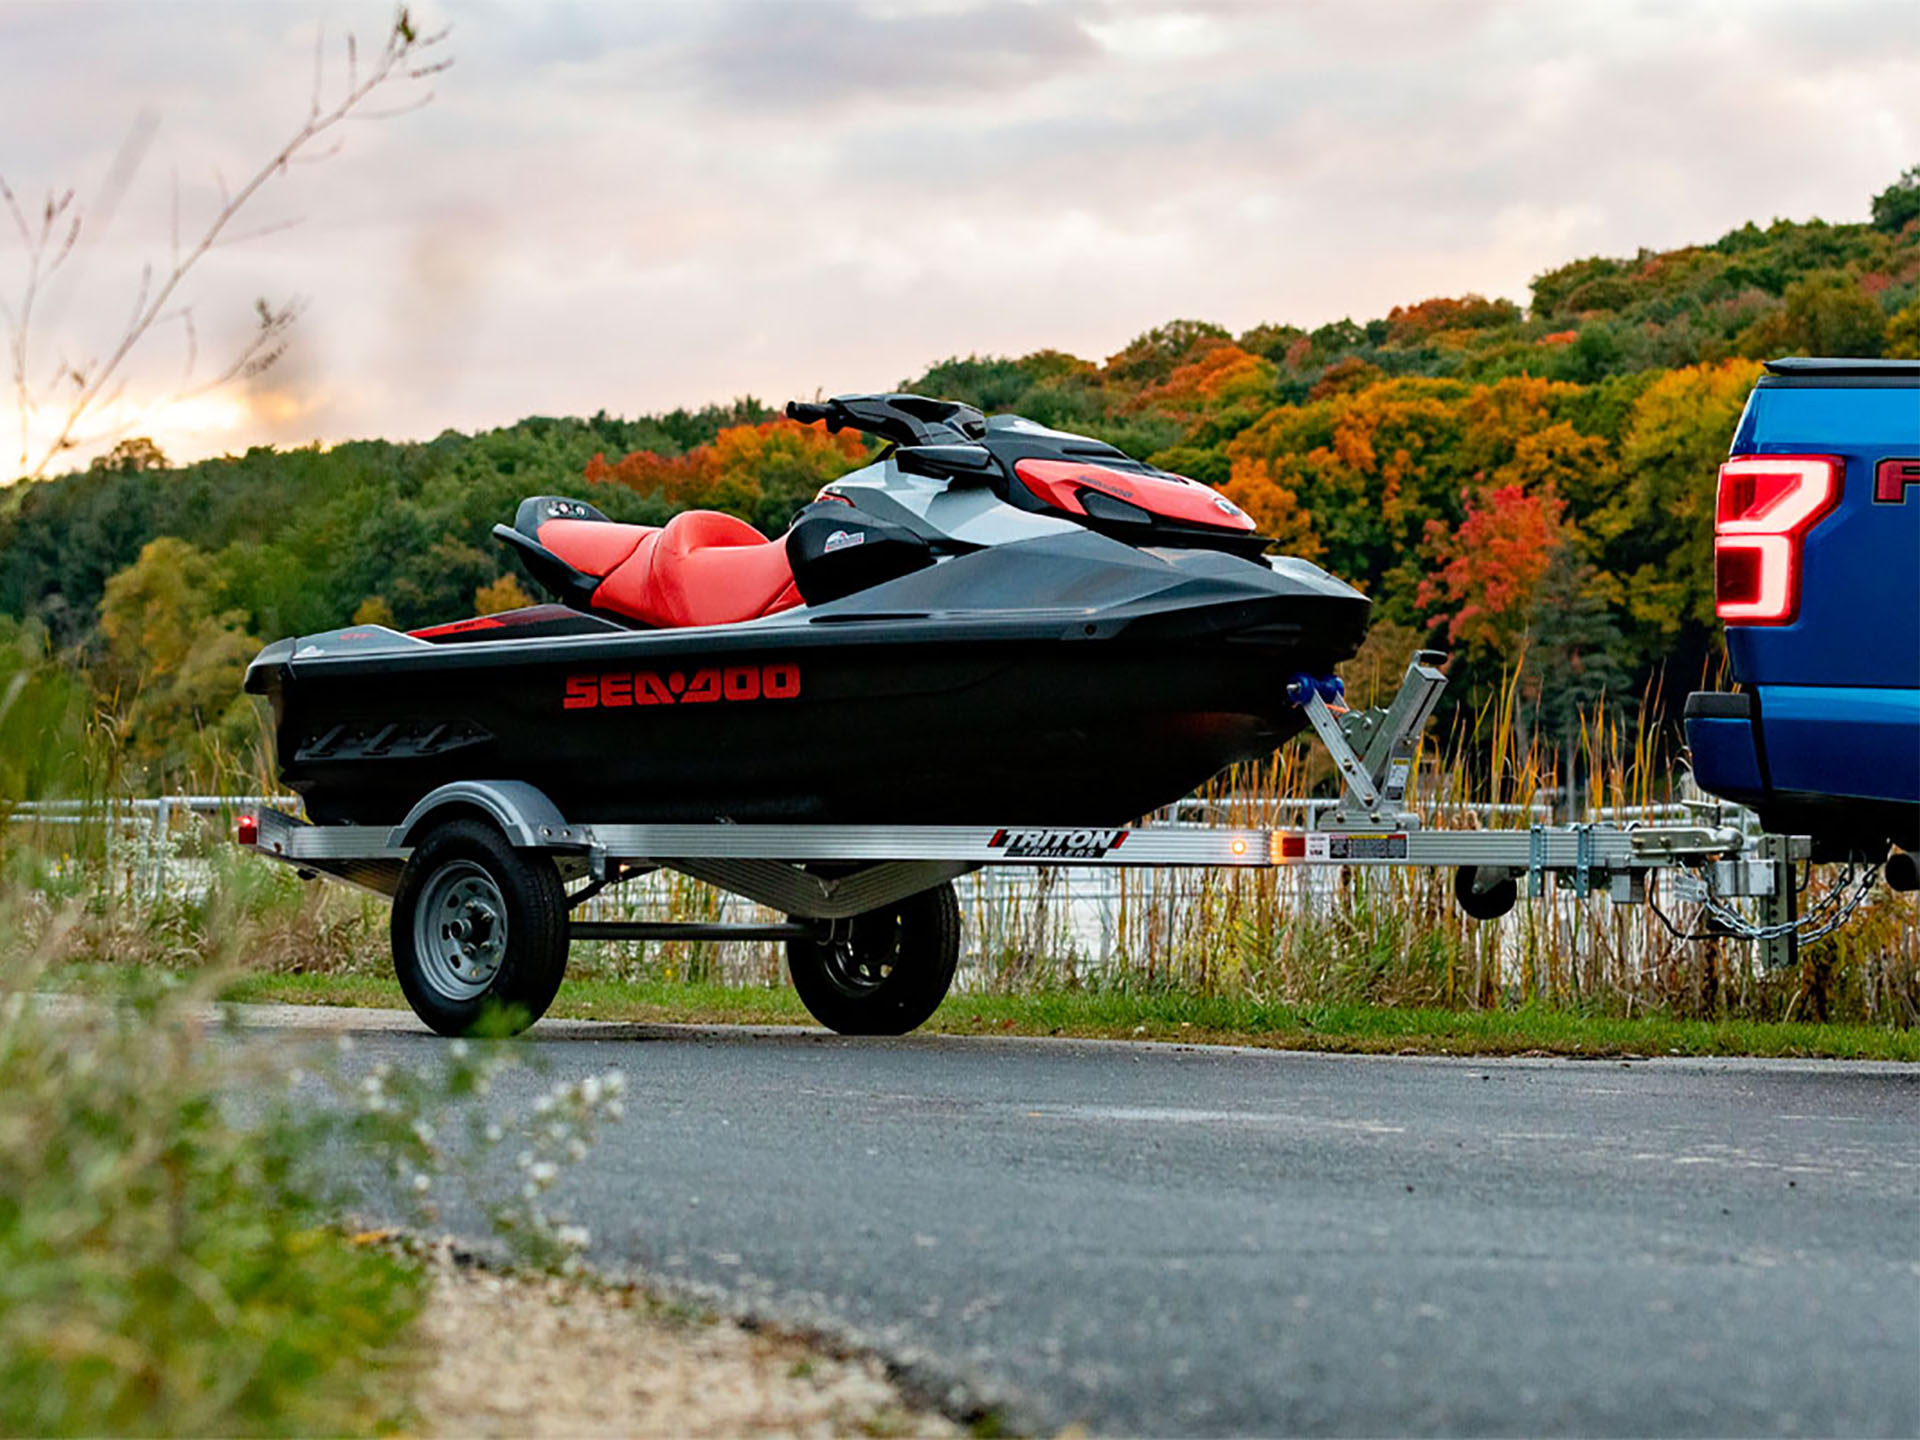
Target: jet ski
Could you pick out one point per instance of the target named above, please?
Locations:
(992, 622)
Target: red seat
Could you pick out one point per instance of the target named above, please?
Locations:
(700, 568)
(593, 547)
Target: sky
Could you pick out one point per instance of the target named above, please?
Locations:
(631, 207)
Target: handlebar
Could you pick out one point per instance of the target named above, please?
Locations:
(808, 414)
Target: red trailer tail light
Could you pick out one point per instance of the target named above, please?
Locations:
(246, 830)
(1766, 506)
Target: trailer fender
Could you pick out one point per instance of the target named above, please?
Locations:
(525, 815)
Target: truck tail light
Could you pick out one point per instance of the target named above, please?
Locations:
(1766, 506)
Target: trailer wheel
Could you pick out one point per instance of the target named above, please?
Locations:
(884, 972)
(479, 931)
(1480, 900)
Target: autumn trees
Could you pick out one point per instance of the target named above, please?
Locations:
(761, 472)
(1500, 481)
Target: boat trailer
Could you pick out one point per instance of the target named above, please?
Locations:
(826, 877)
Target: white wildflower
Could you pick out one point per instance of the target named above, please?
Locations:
(576, 1149)
(422, 1184)
(458, 1049)
(495, 1134)
(574, 1237)
(590, 1090)
(545, 1173)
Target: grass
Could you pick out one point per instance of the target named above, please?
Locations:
(164, 1268)
(1184, 1018)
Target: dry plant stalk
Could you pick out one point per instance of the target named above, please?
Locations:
(79, 392)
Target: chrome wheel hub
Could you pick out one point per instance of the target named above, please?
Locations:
(460, 930)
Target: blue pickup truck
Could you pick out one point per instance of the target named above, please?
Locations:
(1817, 579)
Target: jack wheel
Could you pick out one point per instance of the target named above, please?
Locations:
(479, 931)
(1903, 872)
(1482, 901)
(884, 972)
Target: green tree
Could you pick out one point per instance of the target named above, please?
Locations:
(1903, 334)
(1898, 206)
(1825, 314)
(174, 664)
(131, 457)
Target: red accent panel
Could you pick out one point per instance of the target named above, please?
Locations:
(1059, 482)
(701, 568)
(593, 547)
(456, 627)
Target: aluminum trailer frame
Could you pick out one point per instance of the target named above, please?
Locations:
(823, 873)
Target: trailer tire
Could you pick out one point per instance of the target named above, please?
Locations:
(479, 931)
(1488, 902)
(883, 972)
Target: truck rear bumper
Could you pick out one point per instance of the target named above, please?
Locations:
(1839, 763)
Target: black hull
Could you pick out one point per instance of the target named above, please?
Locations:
(1096, 716)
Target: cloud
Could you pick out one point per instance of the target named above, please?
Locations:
(640, 206)
(775, 56)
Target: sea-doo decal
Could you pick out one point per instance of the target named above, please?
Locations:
(1058, 844)
(615, 689)
(844, 539)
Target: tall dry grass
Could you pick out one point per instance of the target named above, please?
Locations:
(1299, 935)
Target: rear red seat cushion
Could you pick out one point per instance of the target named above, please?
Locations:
(593, 547)
(701, 568)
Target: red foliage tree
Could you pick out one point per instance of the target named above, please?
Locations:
(1491, 566)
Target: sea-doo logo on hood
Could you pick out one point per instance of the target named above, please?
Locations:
(616, 689)
(845, 539)
(1058, 844)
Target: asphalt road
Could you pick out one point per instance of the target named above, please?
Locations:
(1189, 1241)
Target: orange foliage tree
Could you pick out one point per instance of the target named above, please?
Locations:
(1220, 376)
(762, 473)
(1412, 324)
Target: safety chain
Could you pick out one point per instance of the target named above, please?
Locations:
(1824, 916)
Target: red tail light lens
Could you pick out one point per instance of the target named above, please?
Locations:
(1766, 506)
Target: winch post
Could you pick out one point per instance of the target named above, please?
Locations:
(1390, 754)
(1376, 785)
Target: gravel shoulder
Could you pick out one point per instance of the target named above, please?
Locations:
(517, 1355)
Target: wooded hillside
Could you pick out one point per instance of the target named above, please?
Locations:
(1496, 478)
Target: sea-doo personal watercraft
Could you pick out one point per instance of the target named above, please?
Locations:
(992, 621)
